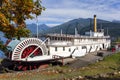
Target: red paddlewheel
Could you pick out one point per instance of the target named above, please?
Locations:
(27, 51)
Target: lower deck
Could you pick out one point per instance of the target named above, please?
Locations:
(76, 50)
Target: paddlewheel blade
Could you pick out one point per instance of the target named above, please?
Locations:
(35, 67)
(20, 67)
(30, 67)
(24, 68)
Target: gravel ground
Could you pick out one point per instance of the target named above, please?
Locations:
(89, 59)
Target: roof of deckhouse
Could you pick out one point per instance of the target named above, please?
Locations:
(75, 36)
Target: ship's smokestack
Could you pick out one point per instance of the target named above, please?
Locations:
(95, 24)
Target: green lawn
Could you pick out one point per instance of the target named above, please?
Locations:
(108, 65)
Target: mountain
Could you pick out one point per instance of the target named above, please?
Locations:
(69, 27)
(116, 21)
(84, 25)
(41, 28)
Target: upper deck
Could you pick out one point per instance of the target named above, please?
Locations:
(68, 40)
(64, 36)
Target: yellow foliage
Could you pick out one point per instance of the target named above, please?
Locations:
(3, 21)
(17, 11)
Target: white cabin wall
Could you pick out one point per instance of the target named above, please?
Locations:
(73, 45)
(88, 48)
(93, 48)
(107, 45)
(79, 52)
(60, 51)
(94, 34)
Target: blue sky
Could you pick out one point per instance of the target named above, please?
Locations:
(60, 11)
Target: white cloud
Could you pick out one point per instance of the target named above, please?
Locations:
(60, 11)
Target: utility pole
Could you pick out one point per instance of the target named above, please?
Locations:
(37, 25)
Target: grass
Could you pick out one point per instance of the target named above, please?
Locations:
(108, 65)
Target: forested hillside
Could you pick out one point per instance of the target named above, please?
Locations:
(83, 25)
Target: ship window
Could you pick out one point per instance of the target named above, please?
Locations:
(55, 38)
(63, 39)
(63, 48)
(69, 50)
(83, 47)
(58, 38)
(48, 52)
(52, 38)
(55, 48)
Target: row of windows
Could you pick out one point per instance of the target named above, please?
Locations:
(89, 40)
(56, 49)
(60, 38)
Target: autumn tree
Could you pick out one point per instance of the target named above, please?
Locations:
(13, 14)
